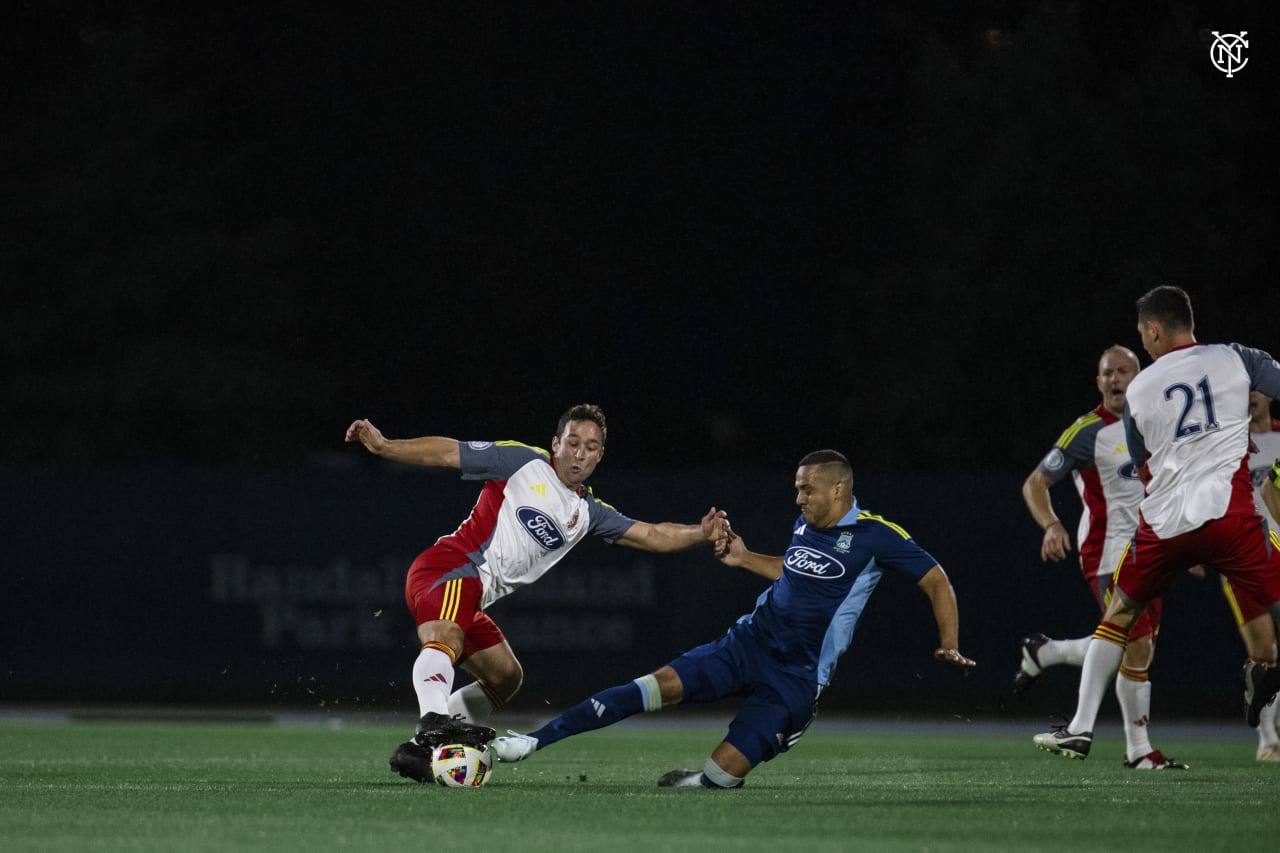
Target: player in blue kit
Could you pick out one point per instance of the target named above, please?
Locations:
(781, 656)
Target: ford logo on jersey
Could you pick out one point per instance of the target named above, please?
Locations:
(806, 561)
(540, 527)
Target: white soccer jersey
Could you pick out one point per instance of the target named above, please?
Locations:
(1260, 468)
(1190, 411)
(1093, 450)
(525, 520)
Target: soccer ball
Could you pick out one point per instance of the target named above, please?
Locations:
(456, 765)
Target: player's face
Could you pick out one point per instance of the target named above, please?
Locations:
(1115, 371)
(577, 451)
(816, 494)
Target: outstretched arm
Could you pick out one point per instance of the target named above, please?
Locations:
(433, 450)
(668, 536)
(1056, 542)
(732, 552)
(943, 598)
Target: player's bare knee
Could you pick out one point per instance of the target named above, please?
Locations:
(670, 687)
(441, 631)
(1139, 652)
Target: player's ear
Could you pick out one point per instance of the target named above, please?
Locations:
(555, 444)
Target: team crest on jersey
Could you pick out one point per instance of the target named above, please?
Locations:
(845, 540)
(538, 525)
(479, 445)
(807, 561)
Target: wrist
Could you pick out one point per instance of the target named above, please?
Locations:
(1055, 523)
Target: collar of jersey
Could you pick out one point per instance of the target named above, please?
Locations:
(851, 517)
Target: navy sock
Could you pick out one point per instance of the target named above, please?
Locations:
(603, 709)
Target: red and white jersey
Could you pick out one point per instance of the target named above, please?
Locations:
(1260, 467)
(1190, 411)
(1093, 450)
(525, 520)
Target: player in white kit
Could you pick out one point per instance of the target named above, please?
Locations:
(1092, 450)
(1186, 420)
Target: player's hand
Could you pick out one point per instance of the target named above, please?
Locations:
(367, 434)
(953, 657)
(731, 550)
(715, 525)
(1056, 543)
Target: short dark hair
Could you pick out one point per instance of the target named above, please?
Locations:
(584, 412)
(832, 458)
(1169, 306)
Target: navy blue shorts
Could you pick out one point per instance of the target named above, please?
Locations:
(777, 706)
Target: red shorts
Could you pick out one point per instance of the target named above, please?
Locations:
(439, 589)
(1234, 546)
(1244, 605)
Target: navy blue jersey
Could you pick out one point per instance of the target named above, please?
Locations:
(806, 617)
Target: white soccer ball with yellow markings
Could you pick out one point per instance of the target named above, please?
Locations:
(457, 765)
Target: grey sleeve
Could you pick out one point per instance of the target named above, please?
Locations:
(1137, 445)
(495, 460)
(607, 522)
(1263, 370)
(1073, 450)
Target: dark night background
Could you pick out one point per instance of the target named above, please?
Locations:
(747, 230)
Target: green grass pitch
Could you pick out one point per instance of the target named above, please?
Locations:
(90, 786)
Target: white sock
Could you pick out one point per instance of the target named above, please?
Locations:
(1135, 707)
(1100, 664)
(471, 703)
(1070, 652)
(1267, 735)
(719, 777)
(432, 681)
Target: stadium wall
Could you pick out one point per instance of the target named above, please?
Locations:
(283, 588)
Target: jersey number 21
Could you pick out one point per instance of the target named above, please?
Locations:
(1187, 428)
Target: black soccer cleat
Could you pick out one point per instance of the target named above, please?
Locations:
(412, 761)
(1260, 685)
(1154, 760)
(440, 729)
(1023, 680)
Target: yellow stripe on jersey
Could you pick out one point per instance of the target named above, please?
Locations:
(522, 444)
(1275, 473)
(1275, 539)
(1070, 432)
(866, 516)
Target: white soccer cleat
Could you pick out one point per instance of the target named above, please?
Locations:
(517, 747)
(681, 779)
(1269, 753)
